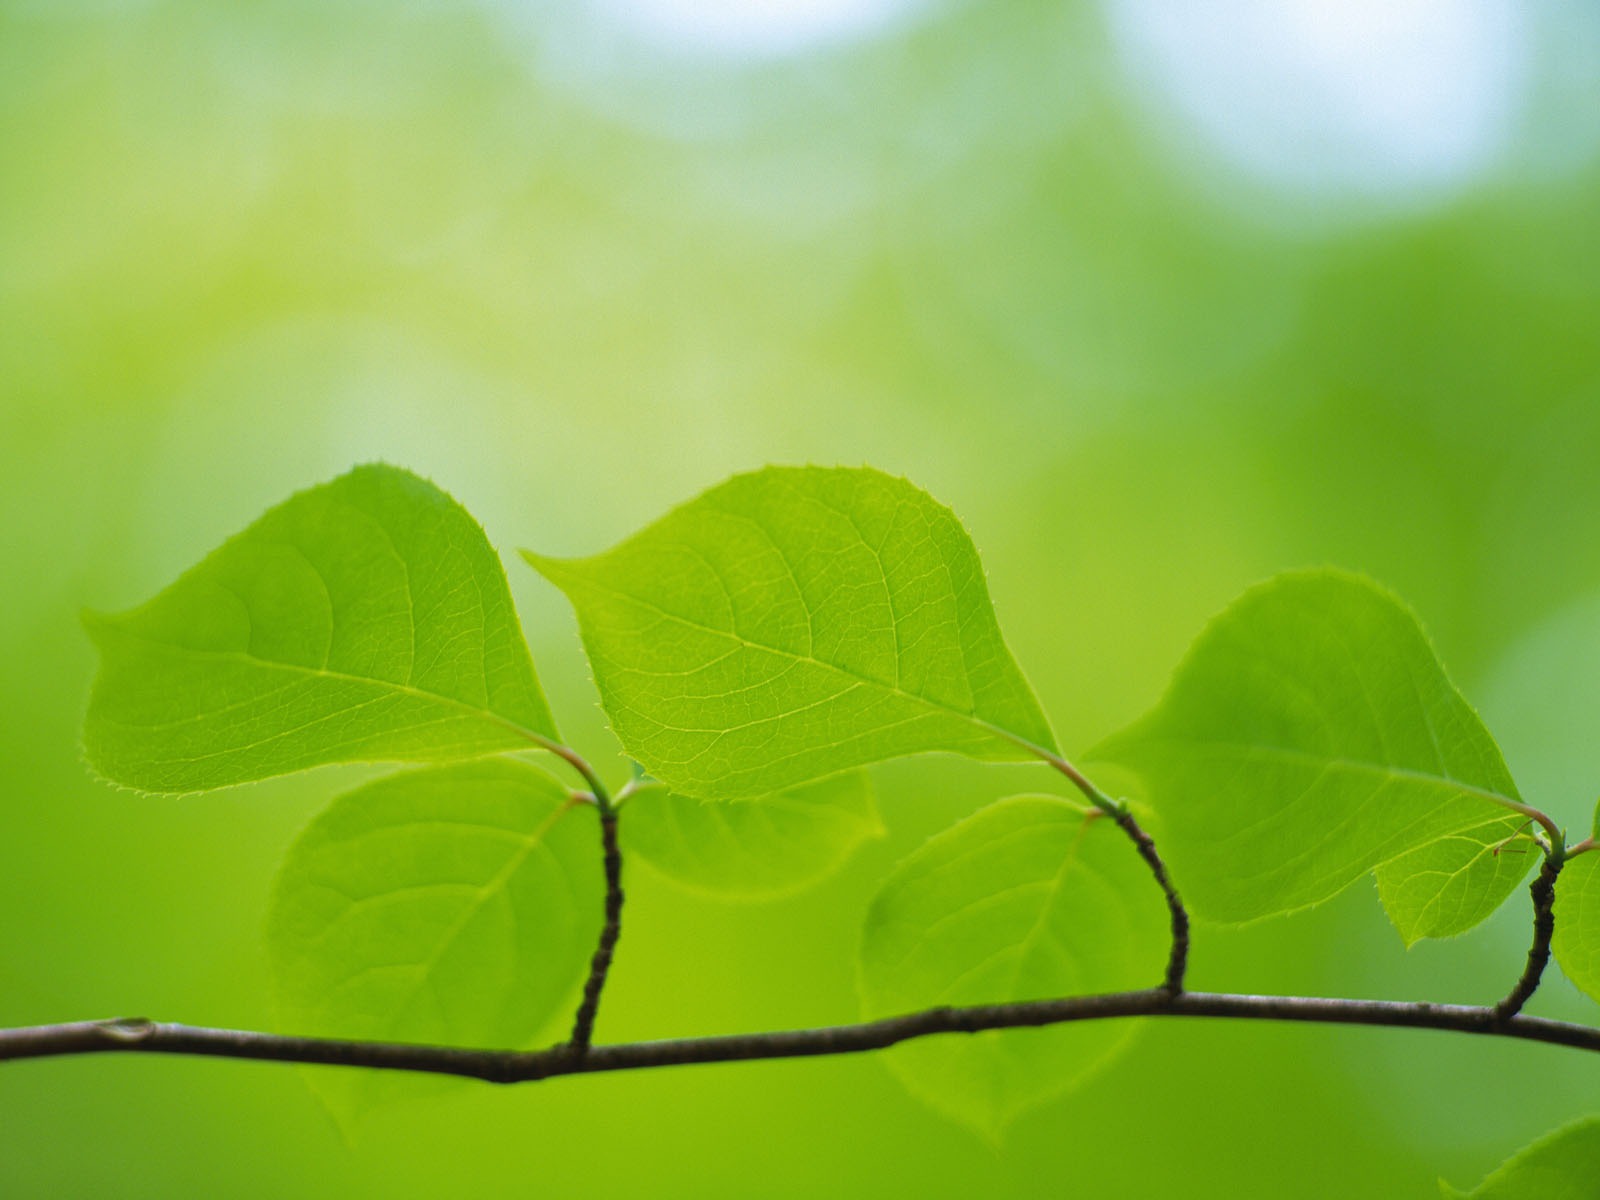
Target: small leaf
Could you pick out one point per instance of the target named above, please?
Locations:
(1310, 737)
(764, 848)
(367, 619)
(456, 905)
(1029, 898)
(1448, 886)
(1576, 943)
(793, 623)
(1563, 1165)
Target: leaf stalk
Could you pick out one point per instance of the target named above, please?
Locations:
(1543, 891)
(1178, 954)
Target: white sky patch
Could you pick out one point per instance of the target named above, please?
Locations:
(752, 29)
(1352, 99)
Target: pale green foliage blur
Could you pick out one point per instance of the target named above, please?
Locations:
(1032, 897)
(789, 841)
(453, 905)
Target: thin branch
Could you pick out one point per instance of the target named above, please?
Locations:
(1543, 891)
(1178, 955)
(610, 931)
(138, 1035)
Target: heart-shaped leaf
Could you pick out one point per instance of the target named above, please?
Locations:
(795, 622)
(367, 619)
(1311, 737)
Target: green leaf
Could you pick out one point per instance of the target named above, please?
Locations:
(1576, 943)
(1448, 886)
(1029, 898)
(367, 619)
(795, 622)
(1563, 1165)
(1310, 737)
(771, 847)
(456, 905)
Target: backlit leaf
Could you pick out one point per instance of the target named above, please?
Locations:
(1030, 898)
(1564, 1165)
(1448, 886)
(367, 619)
(455, 905)
(1310, 737)
(777, 845)
(795, 622)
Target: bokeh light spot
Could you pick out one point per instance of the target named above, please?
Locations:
(749, 28)
(1351, 99)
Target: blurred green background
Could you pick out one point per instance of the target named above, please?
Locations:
(1160, 298)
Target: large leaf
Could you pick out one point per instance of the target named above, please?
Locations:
(1310, 737)
(1030, 898)
(454, 905)
(1564, 1165)
(1577, 938)
(366, 619)
(786, 842)
(795, 622)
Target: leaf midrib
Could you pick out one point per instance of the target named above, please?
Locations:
(405, 689)
(1306, 758)
(973, 719)
(496, 884)
(1073, 858)
(1384, 772)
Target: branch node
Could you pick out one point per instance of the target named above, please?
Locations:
(128, 1030)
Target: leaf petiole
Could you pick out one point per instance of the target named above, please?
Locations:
(597, 791)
